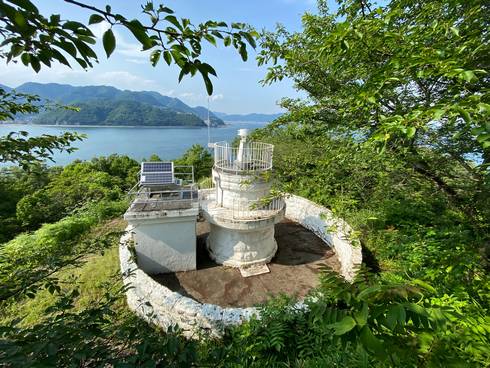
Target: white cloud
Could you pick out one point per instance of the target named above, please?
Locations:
(137, 61)
(99, 29)
(190, 95)
(199, 98)
(169, 92)
(217, 97)
(14, 74)
(126, 80)
(127, 48)
(123, 46)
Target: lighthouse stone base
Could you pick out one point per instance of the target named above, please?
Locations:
(241, 248)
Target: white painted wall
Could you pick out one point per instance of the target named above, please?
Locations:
(231, 188)
(164, 241)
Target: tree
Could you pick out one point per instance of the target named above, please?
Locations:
(198, 157)
(414, 83)
(38, 40)
(17, 147)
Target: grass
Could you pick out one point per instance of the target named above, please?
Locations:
(90, 277)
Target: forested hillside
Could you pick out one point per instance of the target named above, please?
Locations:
(105, 105)
(121, 112)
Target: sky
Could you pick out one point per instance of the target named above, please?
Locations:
(237, 88)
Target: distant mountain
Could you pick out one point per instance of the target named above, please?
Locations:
(121, 112)
(202, 112)
(105, 105)
(247, 117)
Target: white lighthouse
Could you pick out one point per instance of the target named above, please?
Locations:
(241, 210)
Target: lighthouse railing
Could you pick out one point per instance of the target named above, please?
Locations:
(244, 209)
(252, 156)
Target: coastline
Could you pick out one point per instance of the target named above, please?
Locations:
(116, 126)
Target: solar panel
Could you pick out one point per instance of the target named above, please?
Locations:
(157, 173)
(156, 167)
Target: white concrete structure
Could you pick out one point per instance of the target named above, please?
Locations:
(161, 306)
(165, 240)
(240, 212)
(162, 218)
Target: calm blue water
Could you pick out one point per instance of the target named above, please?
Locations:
(138, 143)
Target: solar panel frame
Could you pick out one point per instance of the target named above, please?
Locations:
(156, 173)
(157, 167)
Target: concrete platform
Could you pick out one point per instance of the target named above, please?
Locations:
(294, 271)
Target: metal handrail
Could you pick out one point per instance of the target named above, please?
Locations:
(183, 193)
(254, 156)
(244, 209)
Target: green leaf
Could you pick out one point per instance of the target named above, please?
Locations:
(73, 26)
(139, 33)
(362, 316)
(344, 326)
(469, 76)
(208, 83)
(243, 52)
(167, 56)
(417, 309)
(208, 69)
(210, 39)
(424, 285)
(249, 39)
(155, 57)
(68, 47)
(464, 114)
(395, 315)
(483, 108)
(95, 18)
(438, 113)
(483, 138)
(25, 4)
(370, 342)
(35, 63)
(227, 41)
(20, 21)
(164, 9)
(109, 42)
(25, 58)
(411, 132)
(172, 19)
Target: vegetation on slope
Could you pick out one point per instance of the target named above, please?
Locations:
(394, 318)
(106, 105)
(393, 137)
(129, 113)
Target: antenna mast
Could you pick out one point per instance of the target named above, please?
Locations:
(209, 129)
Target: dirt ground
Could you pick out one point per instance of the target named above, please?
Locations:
(294, 271)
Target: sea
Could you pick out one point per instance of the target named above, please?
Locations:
(136, 142)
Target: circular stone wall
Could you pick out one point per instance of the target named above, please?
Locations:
(163, 307)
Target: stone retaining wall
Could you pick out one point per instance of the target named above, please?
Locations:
(333, 231)
(159, 305)
(163, 307)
